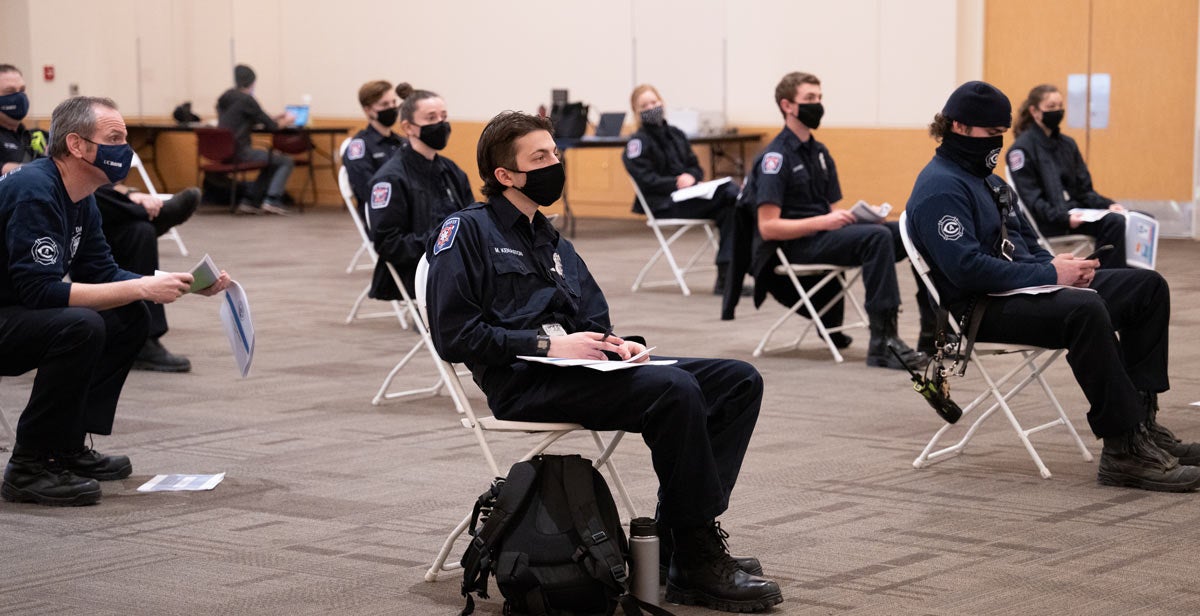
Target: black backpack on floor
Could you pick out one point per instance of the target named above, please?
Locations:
(551, 534)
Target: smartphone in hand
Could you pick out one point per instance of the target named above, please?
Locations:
(1100, 250)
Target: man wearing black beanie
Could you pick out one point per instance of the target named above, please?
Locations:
(239, 111)
(961, 218)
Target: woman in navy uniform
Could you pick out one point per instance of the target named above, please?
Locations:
(375, 144)
(413, 192)
(659, 158)
(1052, 179)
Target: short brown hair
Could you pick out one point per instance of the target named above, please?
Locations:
(372, 91)
(496, 147)
(787, 87)
(74, 115)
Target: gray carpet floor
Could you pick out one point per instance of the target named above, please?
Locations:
(334, 506)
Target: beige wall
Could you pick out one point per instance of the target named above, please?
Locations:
(887, 63)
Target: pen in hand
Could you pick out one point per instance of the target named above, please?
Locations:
(607, 333)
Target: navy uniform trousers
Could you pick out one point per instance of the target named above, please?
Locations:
(1134, 303)
(82, 358)
(696, 416)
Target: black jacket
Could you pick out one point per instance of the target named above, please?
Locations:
(240, 113)
(654, 157)
(1051, 178)
(410, 197)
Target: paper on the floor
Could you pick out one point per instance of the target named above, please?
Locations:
(181, 483)
(701, 190)
(239, 327)
(1195, 404)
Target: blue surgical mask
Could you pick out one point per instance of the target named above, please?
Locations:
(113, 160)
(15, 105)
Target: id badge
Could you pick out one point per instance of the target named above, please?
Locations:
(553, 330)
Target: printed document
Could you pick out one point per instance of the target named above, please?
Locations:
(865, 212)
(239, 327)
(701, 190)
(599, 364)
(181, 483)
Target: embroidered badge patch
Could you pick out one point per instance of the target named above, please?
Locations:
(356, 149)
(1016, 160)
(993, 158)
(633, 149)
(45, 251)
(381, 195)
(950, 228)
(772, 162)
(446, 235)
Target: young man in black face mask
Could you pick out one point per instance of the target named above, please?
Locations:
(956, 215)
(375, 144)
(503, 283)
(793, 186)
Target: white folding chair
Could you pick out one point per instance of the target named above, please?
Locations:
(681, 226)
(842, 275)
(8, 429)
(1075, 243)
(423, 342)
(173, 233)
(480, 425)
(367, 248)
(1033, 363)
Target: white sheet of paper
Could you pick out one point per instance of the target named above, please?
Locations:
(601, 365)
(1049, 288)
(1088, 214)
(865, 212)
(1194, 404)
(239, 327)
(204, 274)
(181, 483)
(701, 190)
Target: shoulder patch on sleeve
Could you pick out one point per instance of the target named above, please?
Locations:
(950, 228)
(772, 162)
(1016, 159)
(446, 236)
(45, 251)
(356, 149)
(633, 149)
(381, 195)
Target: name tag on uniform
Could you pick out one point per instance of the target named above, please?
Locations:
(1066, 195)
(554, 330)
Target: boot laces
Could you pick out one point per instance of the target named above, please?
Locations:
(716, 547)
(1143, 447)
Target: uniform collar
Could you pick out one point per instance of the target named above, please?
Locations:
(415, 158)
(792, 142)
(509, 217)
(378, 137)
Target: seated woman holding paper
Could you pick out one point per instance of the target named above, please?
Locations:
(1053, 181)
(660, 160)
(413, 192)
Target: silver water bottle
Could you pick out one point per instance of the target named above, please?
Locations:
(643, 551)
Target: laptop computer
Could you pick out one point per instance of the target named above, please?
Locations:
(610, 124)
(300, 112)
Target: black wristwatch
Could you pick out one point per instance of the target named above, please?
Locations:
(543, 346)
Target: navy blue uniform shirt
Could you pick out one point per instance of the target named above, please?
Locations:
(955, 223)
(654, 157)
(798, 176)
(15, 146)
(365, 154)
(410, 196)
(495, 278)
(46, 236)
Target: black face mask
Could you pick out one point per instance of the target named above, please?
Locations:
(810, 114)
(544, 186)
(653, 116)
(435, 135)
(1052, 119)
(978, 155)
(387, 117)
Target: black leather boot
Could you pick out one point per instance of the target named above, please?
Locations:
(1133, 460)
(703, 573)
(666, 545)
(34, 477)
(1188, 453)
(884, 335)
(156, 358)
(87, 462)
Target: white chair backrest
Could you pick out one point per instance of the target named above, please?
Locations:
(137, 164)
(419, 282)
(342, 150)
(1045, 243)
(642, 200)
(917, 259)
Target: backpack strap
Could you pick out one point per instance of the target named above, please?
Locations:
(510, 496)
(606, 563)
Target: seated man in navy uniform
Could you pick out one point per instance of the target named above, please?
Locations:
(793, 186)
(18, 145)
(962, 218)
(375, 144)
(503, 283)
(80, 336)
